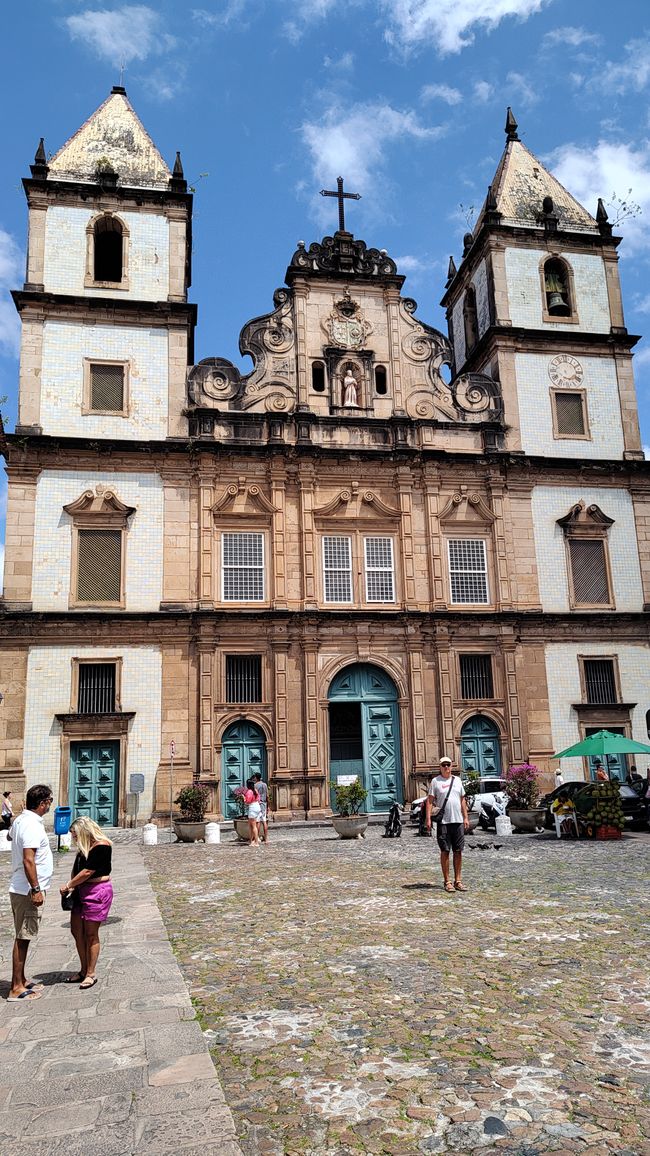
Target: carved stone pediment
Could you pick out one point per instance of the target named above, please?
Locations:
(468, 509)
(101, 505)
(584, 521)
(355, 503)
(342, 253)
(243, 499)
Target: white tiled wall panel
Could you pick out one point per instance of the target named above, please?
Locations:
(482, 303)
(65, 345)
(563, 675)
(603, 409)
(65, 254)
(49, 675)
(525, 293)
(459, 333)
(552, 502)
(53, 536)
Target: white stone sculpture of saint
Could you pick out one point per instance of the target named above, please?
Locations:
(350, 390)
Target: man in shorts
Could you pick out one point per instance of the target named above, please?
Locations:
(447, 790)
(31, 866)
(263, 792)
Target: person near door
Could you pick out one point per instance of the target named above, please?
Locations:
(253, 811)
(93, 895)
(31, 871)
(263, 792)
(447, 795)
(7, 811)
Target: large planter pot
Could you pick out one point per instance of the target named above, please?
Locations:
(528, 821)
(241, 830)
(189, 832)
(350, 826)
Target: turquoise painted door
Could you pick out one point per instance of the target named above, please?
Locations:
(615, 765)
(479, 747)
(94, 781)
(364, 733)
(243, 753)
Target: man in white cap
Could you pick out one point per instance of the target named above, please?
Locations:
(447, 797)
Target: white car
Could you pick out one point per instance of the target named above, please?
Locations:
(489, 791)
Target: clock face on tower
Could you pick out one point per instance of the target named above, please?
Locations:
(565, 370)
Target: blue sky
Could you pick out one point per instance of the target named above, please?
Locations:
(269, 100)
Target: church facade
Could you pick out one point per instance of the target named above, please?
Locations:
(382, 544)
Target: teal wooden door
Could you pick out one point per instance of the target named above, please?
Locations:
(479, 747)
(364, 733)
(615, 765)
(243, 752)
(94, 781)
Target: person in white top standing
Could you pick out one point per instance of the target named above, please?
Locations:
(447, 794)
(32, 866)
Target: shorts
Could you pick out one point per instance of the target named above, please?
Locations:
(254, 811)
(93, 901)
(263, 810)
(27, 916)
(451, 836)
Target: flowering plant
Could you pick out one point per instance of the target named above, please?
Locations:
(238, 796)
(522, 785)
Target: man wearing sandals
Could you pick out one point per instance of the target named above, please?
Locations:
(32, 866)
(447, 795)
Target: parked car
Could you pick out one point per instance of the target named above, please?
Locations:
(634, 809)
(489, 791)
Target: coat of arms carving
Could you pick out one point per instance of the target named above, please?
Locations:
(346, 326)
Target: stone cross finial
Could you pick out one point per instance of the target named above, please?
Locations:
(341, 197)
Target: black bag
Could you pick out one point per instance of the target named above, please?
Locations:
(67, 900)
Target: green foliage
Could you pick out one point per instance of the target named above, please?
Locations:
(193, 802)
(522, 786)
(349, 798)
(471, 783)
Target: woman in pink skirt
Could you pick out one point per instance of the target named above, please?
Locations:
(93, 895)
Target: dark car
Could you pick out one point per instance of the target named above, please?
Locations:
(634, 809)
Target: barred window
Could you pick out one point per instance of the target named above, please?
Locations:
(96, 688)
(337, 569)
(99, 566)
(243, 678)
(589, 572)
(600, 680)
(570, 417)
(106, 388)
(380, 581)
(468, 570)
(476, 676)
(243, 567)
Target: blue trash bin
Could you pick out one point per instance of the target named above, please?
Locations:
(62, 820)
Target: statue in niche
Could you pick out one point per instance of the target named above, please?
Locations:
(350, 390)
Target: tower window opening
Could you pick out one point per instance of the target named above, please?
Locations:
(108, 237)
(556, 288)
(470, 320)
(318, 376)
(381, 382)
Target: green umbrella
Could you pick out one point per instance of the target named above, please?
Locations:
(604, 743)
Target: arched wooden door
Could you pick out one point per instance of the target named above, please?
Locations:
(364, 733)
(243, 752)
(480, 749)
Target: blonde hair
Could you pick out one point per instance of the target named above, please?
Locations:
(88, 832)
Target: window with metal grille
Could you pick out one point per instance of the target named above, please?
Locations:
(106, 387)
(99, 566)
(589, 572)
(96, 688)
(243, 567)
(600, 680)
(337, 569)
(468, 570)
(569, 414)
(108, 238)
(243, 678)
(380, 580)
(476, 676)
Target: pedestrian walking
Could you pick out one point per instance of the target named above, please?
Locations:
(31, 871)
(263, 792)
(446, 802)
(253, 811)
(559, 778)
(93, 895)
(7, 811)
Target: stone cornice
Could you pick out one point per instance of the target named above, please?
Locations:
(61, 305)
(76, 192)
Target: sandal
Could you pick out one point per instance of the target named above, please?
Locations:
(449, 886)
(458, 886)
(88, 982)
(27, 995)
(78, 977)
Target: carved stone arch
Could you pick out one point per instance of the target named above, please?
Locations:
(468, 712)
(337, 665)
(106, 216)
(227, 719)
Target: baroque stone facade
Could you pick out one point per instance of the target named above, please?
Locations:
(381, 544)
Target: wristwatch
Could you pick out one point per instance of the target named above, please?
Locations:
(35, 890)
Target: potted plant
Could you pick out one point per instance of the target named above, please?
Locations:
(192, 802)
(471, 782)
(347, 820)
(522, 788)
(240, 822)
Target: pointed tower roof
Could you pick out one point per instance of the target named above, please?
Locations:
(520, 185)
(114, 136)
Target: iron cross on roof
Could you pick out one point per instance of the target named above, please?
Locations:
(341, 197)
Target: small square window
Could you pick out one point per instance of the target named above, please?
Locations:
(106, 387)
(600, 680)
(569, 413)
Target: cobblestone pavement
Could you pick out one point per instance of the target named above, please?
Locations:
(354, 1007)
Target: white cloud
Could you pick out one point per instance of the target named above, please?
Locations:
(233, 10)
(344, 63)
(483, 91)
(352, 141)
(132, 32)
(573, 37)
(11, 275)
(441, 92)
(632, 75)
(524, 93)
(449, 24)
(614, 172)
(308, 12)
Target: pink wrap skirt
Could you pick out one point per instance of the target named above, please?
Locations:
(94, 900)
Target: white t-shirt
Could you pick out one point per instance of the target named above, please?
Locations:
(438, 788)
(28, 831)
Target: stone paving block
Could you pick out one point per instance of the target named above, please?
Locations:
(169, 1133)
(154, 1101)
(162, 1041)
(40, 1093)
(182, 1070)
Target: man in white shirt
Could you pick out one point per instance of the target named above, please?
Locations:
(32, 866)
(447, 793)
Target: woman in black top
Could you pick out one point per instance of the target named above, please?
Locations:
(93, 895)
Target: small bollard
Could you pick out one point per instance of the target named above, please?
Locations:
(503, 825)
(150, 834)
(212, 833)
(5, 844)
(65, 842)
